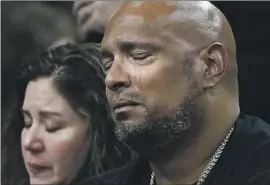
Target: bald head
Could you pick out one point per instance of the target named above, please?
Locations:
(200, 21)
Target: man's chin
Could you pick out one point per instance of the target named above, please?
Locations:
(128, 128)
(138, 135)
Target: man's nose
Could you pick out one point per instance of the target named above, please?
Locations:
(32, 140)
(117, 76)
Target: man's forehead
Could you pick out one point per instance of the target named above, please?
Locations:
(129, 28)
(138, 15)
(137, 35)
(149, 10)
(145, 20)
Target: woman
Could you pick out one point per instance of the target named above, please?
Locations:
(60, 131)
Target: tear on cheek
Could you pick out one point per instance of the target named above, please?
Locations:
(139, 78)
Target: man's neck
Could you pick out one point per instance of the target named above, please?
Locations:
(186, 165)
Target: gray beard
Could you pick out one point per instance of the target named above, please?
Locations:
(162, 135)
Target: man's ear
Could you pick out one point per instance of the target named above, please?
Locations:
(215, 60)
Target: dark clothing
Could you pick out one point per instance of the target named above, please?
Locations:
(244, 161)
(246, 158)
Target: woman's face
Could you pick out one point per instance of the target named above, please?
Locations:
(54, 142)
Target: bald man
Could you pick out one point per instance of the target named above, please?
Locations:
(92, 17)
(173, 91)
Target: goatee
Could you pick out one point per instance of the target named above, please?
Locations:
(160, 136)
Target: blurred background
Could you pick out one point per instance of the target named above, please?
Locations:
(30, 27)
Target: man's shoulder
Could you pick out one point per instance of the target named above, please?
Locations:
(250, 141)
(246, 159)
(252, 132)
(255, 165)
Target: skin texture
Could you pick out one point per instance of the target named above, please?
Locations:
(176, 60)
(54, 136)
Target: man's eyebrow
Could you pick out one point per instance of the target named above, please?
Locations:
(129, 45)
(126, 45)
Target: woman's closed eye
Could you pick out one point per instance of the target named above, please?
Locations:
(27, 121)
(53, 125)
(52, 129)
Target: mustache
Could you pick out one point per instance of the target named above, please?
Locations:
(128, 96)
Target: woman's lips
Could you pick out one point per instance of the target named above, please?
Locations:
(37, 168)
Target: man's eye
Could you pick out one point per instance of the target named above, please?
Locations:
(107, 65)
(107, 62)
(140, 55)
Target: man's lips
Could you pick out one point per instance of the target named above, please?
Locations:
(122, 104)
